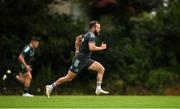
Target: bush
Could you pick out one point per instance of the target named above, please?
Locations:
(159, 79)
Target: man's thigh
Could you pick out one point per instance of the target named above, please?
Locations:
(95, 66)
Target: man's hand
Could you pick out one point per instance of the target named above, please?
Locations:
(28, 68)
(103, 46)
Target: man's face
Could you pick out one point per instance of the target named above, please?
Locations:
(97, 29)
(35, 43)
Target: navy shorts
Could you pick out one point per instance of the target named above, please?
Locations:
(21, 68)
(79, 63)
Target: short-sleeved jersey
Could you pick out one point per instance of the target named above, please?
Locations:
(84, 47)
(28, 53)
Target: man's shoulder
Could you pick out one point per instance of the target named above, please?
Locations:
(89, 34)
(27, 48)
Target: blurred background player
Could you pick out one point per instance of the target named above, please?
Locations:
(84, 45)
(25, 58)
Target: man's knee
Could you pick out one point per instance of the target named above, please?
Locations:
(102, 69)
(98, 67)
(29, 76)
(69, 79)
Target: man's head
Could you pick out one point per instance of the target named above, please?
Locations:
(35, 42)
(95, 27)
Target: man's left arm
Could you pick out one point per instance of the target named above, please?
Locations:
(77, 44)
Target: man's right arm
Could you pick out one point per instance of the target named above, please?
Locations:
(93, 47)
(22, 60)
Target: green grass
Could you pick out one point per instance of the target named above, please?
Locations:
(90, 102)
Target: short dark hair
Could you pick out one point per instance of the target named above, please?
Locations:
(93, 23)
(37, 38)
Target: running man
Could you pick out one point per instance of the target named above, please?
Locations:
(85, 45)
(25, 58)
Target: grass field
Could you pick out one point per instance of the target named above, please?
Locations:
(90, 102)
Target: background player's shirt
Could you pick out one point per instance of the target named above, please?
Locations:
(84, 47)
(28, 53)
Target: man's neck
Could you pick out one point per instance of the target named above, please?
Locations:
(91, 30)
(31, 46)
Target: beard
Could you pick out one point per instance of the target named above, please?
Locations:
(96, 33)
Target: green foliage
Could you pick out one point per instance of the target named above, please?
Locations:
(147, 42)
(58, 34)
(159, 79)
(141, 46)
